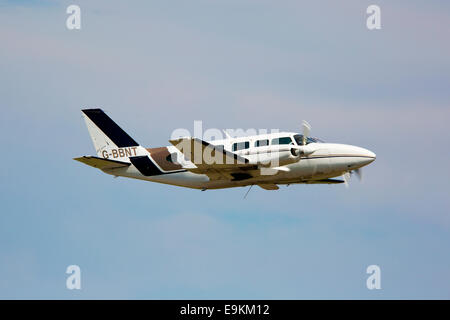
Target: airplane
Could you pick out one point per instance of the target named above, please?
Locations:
(265, 160)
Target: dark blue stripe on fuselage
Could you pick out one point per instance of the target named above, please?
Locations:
(145, 166)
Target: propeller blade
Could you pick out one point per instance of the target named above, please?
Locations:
(306, 129)
(359, 173)
(346, 177)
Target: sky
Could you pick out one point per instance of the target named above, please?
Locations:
(155, 66)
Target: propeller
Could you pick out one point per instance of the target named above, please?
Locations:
(359, 173)
(348, 174)
(306, 130)
(303, 149)
(346, 177)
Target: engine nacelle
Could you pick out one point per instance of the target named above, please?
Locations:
(302, 151)
(274, 156)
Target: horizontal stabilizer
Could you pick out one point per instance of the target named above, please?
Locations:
(101, 163)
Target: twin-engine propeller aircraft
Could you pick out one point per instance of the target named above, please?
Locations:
(266, 160)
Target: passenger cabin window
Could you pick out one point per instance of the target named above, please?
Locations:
(262, 143)
(241, 145)
(282, 140)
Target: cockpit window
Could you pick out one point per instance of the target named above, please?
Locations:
(282, 140)
(299, 139)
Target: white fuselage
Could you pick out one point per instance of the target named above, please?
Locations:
(327, 160)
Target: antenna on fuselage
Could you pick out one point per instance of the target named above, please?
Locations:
(248, 191)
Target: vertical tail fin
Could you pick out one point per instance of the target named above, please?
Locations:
(110, 141)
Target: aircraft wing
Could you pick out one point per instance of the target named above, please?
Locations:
(214, 161)
(101, 163)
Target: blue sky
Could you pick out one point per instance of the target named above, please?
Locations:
(156, 66)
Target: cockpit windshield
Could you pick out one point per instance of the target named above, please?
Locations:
(299, 139)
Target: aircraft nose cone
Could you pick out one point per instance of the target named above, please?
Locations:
(357, 157)
(367, 156)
